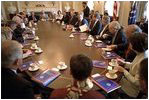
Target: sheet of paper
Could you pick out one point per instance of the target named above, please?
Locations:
(83, 28)
(96, 75)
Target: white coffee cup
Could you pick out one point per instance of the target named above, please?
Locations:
(61, 64)
(88, 42)
(34, 45)
(112, 73)
(114, 61)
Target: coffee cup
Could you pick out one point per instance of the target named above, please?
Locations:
(112, 73)
(61, 64)
(39, 49)
(34, 45)
(114, 61)
(88, 42)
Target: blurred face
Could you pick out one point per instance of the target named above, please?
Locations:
(104, 22)
(32, 13)
(142, 20)
(72, 12)
(84, 5)
(94, 18)
(112, 29)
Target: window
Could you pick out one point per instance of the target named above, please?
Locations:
(145, 10)
(109, 7)
(90, 4)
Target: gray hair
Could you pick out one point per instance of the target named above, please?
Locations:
(11, 51)
(115, 24)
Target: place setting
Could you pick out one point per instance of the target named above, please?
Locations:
(37, 49)
(71, 36)
(89, 41)
(27, 53)
(83, 36)
(33, 67)
(109, 54)
(28, 37)
(62, 66)
(99, 64)
(100, 44)
(111, 74)
(36, 38)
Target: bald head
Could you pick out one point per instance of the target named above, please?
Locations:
(11, 54)
(131, 29)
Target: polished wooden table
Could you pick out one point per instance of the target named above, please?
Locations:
(57, 46)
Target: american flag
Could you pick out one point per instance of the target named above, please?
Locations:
(132, 14)
(115, 11)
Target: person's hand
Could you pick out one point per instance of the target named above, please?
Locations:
(105, 36)
(112, 47)
(119, 68)
(97, 36)
(27, 51)
(121, 62)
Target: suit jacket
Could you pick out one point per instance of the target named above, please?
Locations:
(74, 20)
(120, 41)
(78, 24)
(61, 94)
(96, 28)
(31, 18)
(86, 12)
(17, 35)
(14, 87)
(144, 27)
(66, 18)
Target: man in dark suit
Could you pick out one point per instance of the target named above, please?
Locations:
(95, 26)
(18, 34)
(33, 17)
(115, 37)
(143, 25)
(66, 17)
(86, 11)
(74, 18)
(13, 86)
(81, 21)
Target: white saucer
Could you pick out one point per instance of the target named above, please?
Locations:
(89, 45)
(55, 69)
(34, 48)
(111, 64)
(62, 68)
(98, 41)
(35, 68)
(71, 36)
(113, 77)
(36, 38)
(38, 51)
(106, 49)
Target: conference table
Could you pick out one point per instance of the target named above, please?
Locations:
(58, 46)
